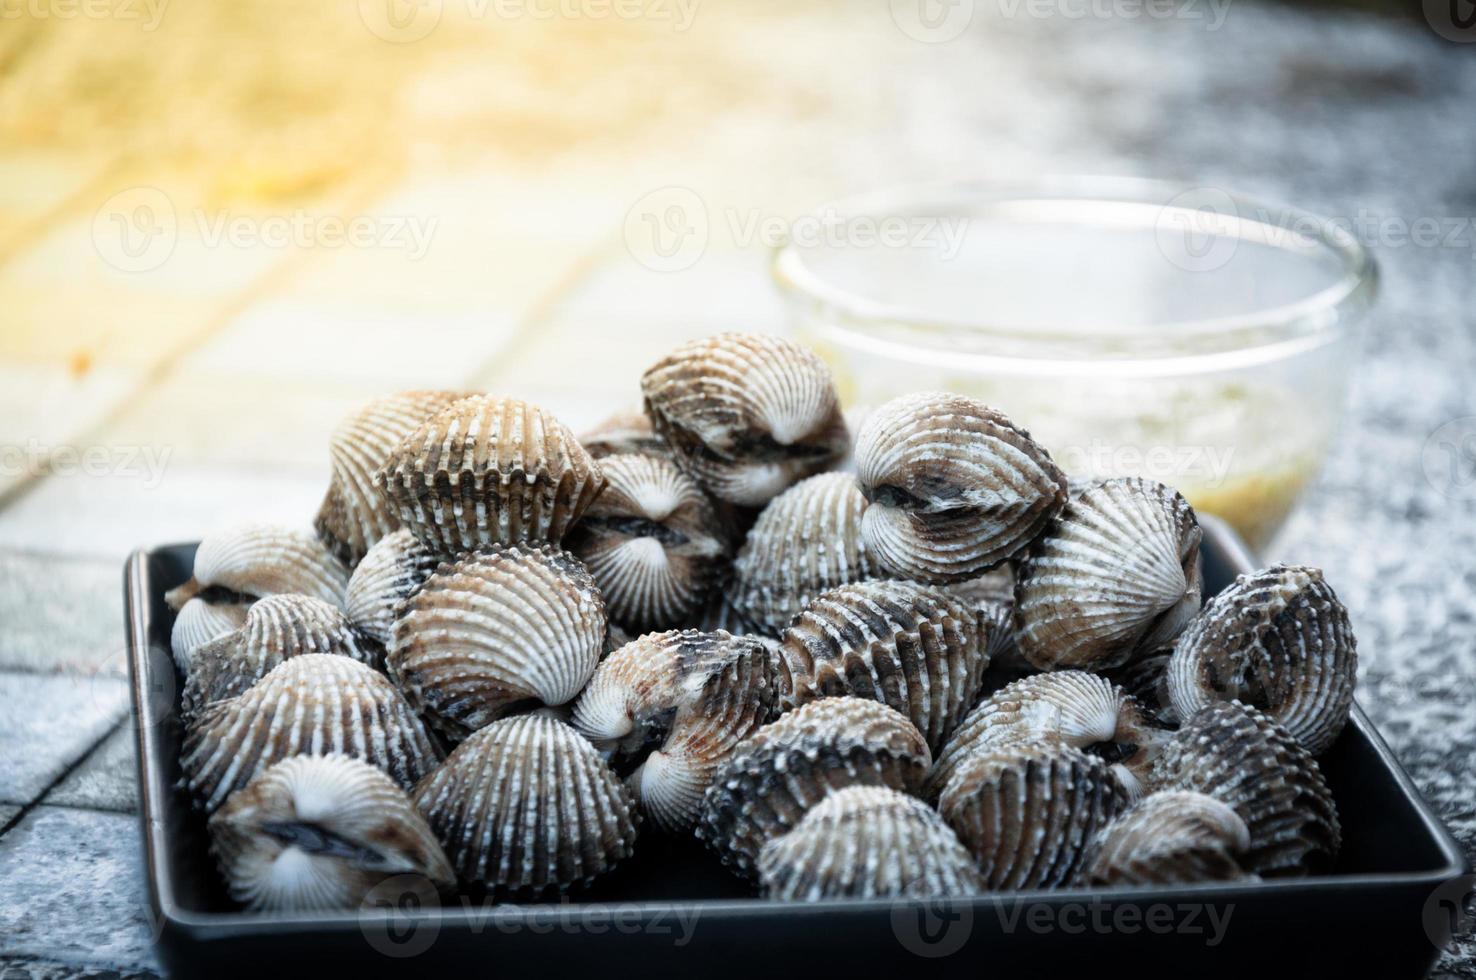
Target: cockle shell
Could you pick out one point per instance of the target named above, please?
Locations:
(488, 471)
(652, 541)
(807, 540)
(525, 805)
(1245, 759)
(276, 628)
(1278, 640)
(773, 778)
(955, 487)
(237, 566)
(315, 833)
(622, 433)
(354, 514)
(867, 842)
(1028, 808)
(1170, 838)
(1115, 575)
(496, 631)
(700, 694)
(746, 415)
(911, 646)
(1084, 711)
(313, 704)
(393, 568)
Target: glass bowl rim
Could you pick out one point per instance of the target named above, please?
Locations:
(1319, 314)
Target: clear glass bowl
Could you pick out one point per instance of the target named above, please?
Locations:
(1134, 327)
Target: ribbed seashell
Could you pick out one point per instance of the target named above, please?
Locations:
(1279, 640)
(746, 415)
(652, 541)
(276, 628)
(1170, 838)
(198, 622)
(699, 694)
(867, 842)
(239, 565)
(354, 514)
(807, 540)
(992, 597)
(494, 632)
(622, 433)
(1028, 809)
(1114, 576)
(955, 487)
(1145, 680)
(527, 806)
(316, 833)
(313, 704)
(486, 471)
(393, 568)
(911, 646)
(1083, 710)
(773, 778)
(1245, 759)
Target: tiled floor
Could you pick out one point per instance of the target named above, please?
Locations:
(210, 374)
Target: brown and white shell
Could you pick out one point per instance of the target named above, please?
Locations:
(1083, 710)
(992, 597)
(1279, 640)
(494, 632)
(236, 566)
(354, 514)
(867, 842)
(316, 833)
(486, 471)
(276, 628)
(1114, 576)
(773, 778)
(1245, 759)
(394, 567)
(1145, 680)
(955, 487)
(652, 541)
(914, 647)
(746, 415)
(698, 694)
(527, 806)
(807, 540)
(313, 704)
(622, 433)
(1172, 837)
(1028, 809)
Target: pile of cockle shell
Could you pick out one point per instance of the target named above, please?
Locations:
(922, 663)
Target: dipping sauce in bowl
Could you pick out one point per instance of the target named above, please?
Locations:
(1139, 328)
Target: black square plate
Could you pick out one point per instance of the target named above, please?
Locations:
(672, 910)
